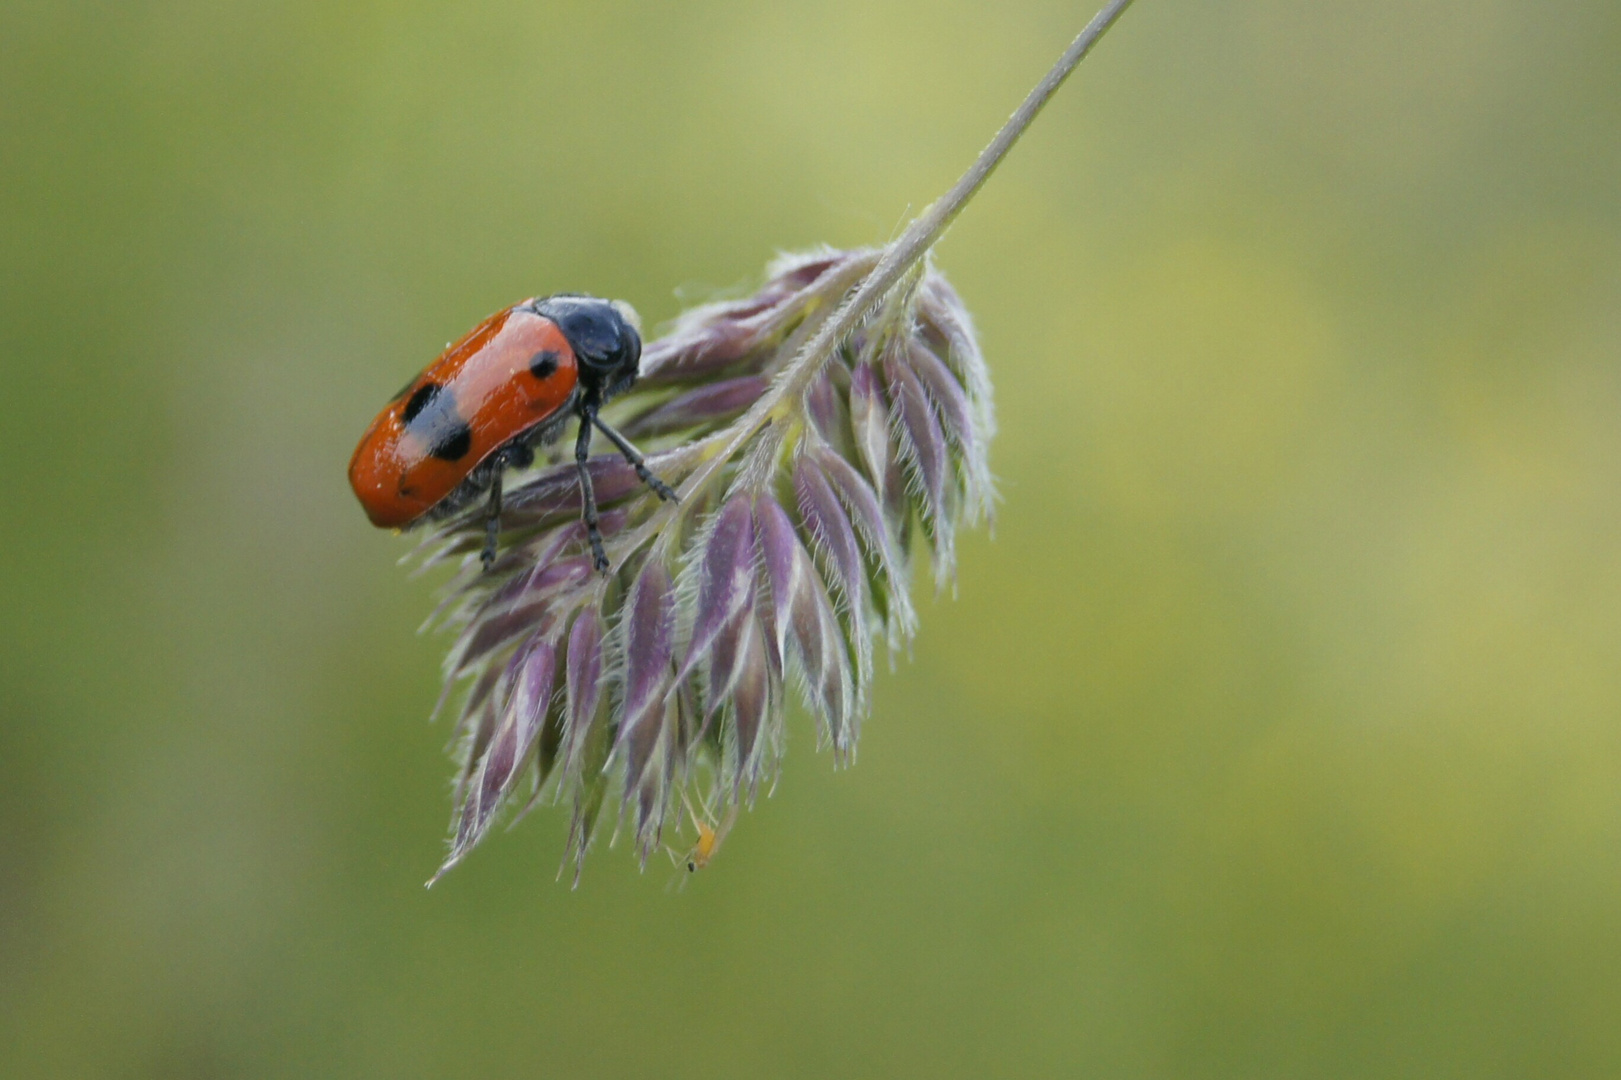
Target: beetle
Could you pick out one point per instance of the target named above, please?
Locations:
(482, 407)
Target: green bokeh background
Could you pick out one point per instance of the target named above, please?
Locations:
(1276, 732)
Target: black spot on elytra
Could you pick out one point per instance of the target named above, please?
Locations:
(431, 416)
(453, 443)
(543, 364)
(420, 400)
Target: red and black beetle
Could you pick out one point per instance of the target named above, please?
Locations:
(482, 407)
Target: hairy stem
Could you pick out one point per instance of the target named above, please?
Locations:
(895, 260)
(927, 227)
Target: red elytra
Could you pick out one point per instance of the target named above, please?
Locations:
(485, 403)
(512, 373)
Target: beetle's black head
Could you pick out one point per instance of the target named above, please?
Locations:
(606, 345)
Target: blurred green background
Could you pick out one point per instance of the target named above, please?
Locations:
(1276, 733)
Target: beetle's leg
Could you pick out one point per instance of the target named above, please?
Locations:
(633, 456)
(588, 497)
(492, 515)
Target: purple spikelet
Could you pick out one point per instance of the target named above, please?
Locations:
(828, 527)
(725, 578)
(801, 479)
(530, 680)
(647, 633)
(583, 686)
